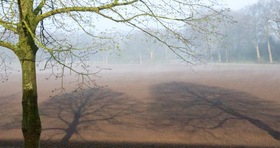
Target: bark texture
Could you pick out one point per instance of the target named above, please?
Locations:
(26, 52)
(31, 124)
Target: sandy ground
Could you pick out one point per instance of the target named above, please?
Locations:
(154, 106)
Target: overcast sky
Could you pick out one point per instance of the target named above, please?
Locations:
(238, 4)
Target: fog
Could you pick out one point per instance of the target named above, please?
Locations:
(237, 5)
(141, 93)
(252, 38)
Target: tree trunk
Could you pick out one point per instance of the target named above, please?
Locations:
(26, 52)
(269, 52)
(31, 123)
(152, 56)
(166, 57)
(219, 56)
(140, 59)
(220, 59)
(227, 56)
(258, 53)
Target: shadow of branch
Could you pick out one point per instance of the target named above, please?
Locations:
(81, 110)
(195, 108)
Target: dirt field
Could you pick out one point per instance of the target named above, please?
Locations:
(155, 106)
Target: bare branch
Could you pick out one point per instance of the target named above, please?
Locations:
(8, 45)
(8, 25)
(39, 7)
(84, 9)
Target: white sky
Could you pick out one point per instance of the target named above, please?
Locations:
(238, 4)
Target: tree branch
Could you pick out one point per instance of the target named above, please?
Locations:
(123, 19)
(8, 25)
(39, 7)
(143, 14)
(84, 9)
(8, 45)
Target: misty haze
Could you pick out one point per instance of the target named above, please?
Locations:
(207, 78)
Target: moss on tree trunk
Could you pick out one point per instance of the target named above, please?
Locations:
(31, 124)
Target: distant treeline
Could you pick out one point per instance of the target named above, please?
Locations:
(254, 37)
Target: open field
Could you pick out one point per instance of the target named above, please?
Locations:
(155, 106)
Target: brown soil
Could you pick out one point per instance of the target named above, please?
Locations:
(154, 106)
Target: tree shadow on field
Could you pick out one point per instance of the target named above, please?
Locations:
(81, 111)
(192, 107)
(10, 111)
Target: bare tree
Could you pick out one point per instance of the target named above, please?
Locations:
(266, 14)
(54, 26)
(274, 21)
(254, 27)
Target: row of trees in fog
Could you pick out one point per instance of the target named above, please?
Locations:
(254, 37)
(138, 48)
